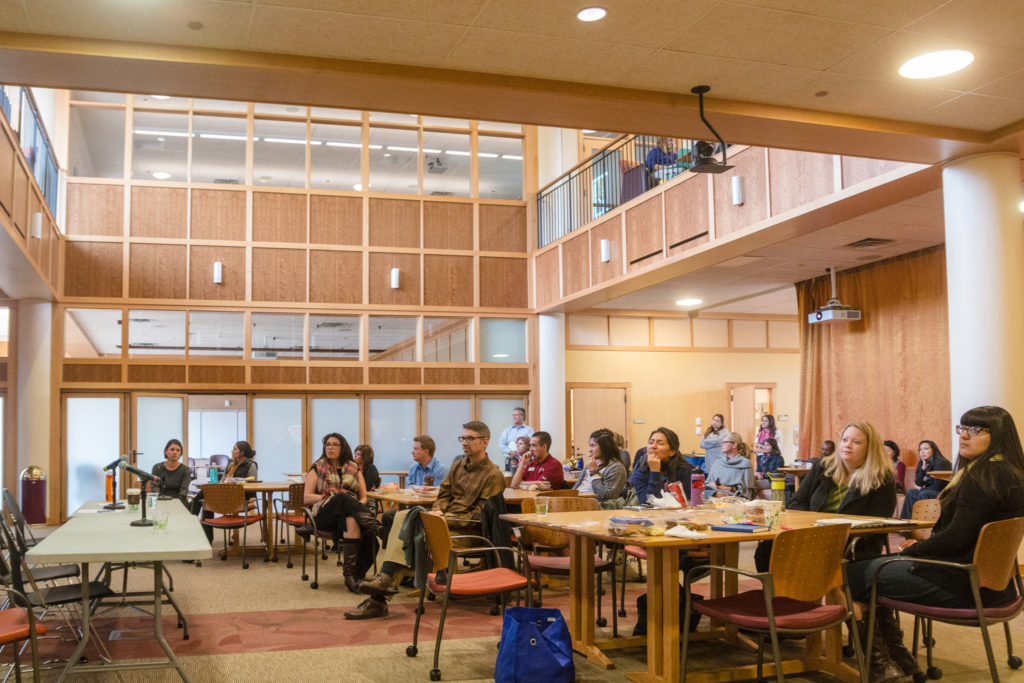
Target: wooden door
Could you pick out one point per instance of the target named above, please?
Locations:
(592, 408)
(742, 420)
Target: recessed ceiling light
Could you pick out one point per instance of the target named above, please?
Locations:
(161, 97)
(161, 175)
(1022, 206)
(358, 187)
(689, 302)
(499, 355)
(935, 64)
(591, 14)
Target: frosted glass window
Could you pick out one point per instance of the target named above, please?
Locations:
(220, 105)
(277, 436)
(160, 102)
(445, 122)
(445, 417)
(93, 428)
(446, 164)
(389, 117)
(502, 340)
(392, 339)
(328, 113)
(215, 423)
(279, 153)
(276, 335)
(214, 334)
(92, 333)
(500, 167)
(218, 150)
(91, 96)
(158, 418)
(159, 146)
(96, 143)
(392, 428)
(335, 161)
(446, 340)
(333, 337)
(156, 333)
(394, 165)
(496, 413)
(279, 109)
(503, 127)
(333, 415)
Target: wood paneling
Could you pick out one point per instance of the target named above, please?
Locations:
(686, 214)
(546, 268)
(93, 269)
(447, 280)
(576, 264)
(748, 164)
(610, 230)
(798, 178)
(278, 374)
(394, 223)
(156, 374)
(95, 209)
(394, 375)
(20, 212)
(200, 279)
(504, 376)
(34, 245)
(218, 215)
(644, 239)
(278, 217)
(216, 374)
(857, 170)
(7, 157)
(448, 376)
(157, 271)
(91, 373)
(408, 293)
(336, 277)
(3, 372)
(55, 248)
(336, 375)
(502, 228)
(447, 225)
(279, 275)
(503, 282)
(336, 220)
(159, 212)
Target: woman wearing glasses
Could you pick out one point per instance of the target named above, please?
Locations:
(928, 486)
(988, 486)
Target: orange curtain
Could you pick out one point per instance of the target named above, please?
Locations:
(891, 368)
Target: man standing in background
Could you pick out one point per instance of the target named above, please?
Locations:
(507, 441)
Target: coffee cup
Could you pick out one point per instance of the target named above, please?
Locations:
(134, 496)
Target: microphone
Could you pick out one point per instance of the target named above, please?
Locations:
(114, 464)
(141, 474)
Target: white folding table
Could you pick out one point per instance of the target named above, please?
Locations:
(106, 536)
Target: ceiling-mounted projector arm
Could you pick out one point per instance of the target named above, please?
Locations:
(699, 92)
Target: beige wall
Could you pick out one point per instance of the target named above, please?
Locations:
(673, 389)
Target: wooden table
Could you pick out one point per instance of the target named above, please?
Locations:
(797, 472)
(662, 639)
(944, 475)
(266, 490)
(405, 498)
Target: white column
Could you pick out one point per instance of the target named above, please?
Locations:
(985, 283)
(551, 383)
(34, 330)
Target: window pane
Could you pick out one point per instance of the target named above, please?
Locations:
(156, 333)
(215, 423)
(333, 337)
(503, 127)
(279, 153)
(444, 122)
(328, 113)
(92, 333)
(279, 109)
(220, 105)
(159, 146)
(392, 339)
(501, 167)
(158, 419)
(445, 417)
(336, 157)
(496, 413)
(387, 117)
(392, 428)
(160, 102)
(218, 150)
(94, 424)
(446, 340)
(446, 164)
(333, 415)
(96, 143)
(276, 335)
(91, 96)
(502, 340)
(215, 334)
(277, 436)
(393, 161)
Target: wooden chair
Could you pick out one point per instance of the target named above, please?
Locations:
(993, 567)
(228, 501)
(18, 624)
(291, 512)
(559, 493)
(806, 565)
(499, 581)
(927, 510)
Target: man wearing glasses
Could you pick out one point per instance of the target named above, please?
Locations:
(472, 480)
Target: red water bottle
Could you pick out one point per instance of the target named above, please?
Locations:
(697, 488)
(110, 487)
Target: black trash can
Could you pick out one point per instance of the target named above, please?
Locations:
(33, 494)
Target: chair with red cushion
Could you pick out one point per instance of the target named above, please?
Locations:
(291, 512)
(18, 624)
(806, 565)
(499, 581)
(994, 567)
(228, 501)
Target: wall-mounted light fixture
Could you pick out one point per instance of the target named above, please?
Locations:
(737, 190)
(218, 272)
(395, 275)
(36, 228)
(606, 251)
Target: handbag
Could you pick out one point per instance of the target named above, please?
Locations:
(535, 646)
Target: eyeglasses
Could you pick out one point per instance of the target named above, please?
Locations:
(464, 439)
(972, 431)
(332, 444)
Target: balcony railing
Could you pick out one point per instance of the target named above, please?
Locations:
(22, 114)
(623, 170)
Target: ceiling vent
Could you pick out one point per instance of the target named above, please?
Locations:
(225, 181)
(869, 242)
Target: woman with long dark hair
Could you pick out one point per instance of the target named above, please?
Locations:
(173, 474)
(604, 475)
(712, 444)
(928, 486)
(363, 455)
(892, 449)
(660, 464)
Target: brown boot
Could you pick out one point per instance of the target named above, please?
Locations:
(382, 586)
(880, 664)
(370, 608)
(350, 555)
(886, 624)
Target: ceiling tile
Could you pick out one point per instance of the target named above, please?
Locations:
(852, 95)
(884, 13)
(983, 112)
(15, 17)
(990, 21)
(460, 12)
(1011, 87)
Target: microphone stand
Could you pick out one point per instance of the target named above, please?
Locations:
(142, 502)
(114, 505)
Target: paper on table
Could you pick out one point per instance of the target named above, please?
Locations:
(680, 531)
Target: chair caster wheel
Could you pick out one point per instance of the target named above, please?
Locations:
(314, 585)
(224, 558)
(199, 563)
(495, 610)
(412, 651)
(431, 596)
(602, 622)
(1014, 662)
(622, 612)
(305, 577)
(848, 651)
(83, 659)
(290, 565)
(418, 610)
(934, 673)
(929, 642)
(184, 637)
(435, 674)
(245, 565)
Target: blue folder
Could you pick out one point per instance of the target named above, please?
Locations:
(746, 528)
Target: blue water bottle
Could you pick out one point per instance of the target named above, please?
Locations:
(213, 474)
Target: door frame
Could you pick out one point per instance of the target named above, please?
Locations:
(62, 482)
(569, 386)
(729, 386)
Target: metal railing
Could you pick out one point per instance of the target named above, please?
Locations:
(618, 173)
(19, 107)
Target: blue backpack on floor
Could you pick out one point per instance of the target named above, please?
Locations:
(535, 646)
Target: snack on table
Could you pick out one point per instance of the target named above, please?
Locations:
(693, 525)
(624, 526)
(756, 512)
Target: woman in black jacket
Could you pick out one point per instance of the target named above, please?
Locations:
(242, 466)
(928, 486)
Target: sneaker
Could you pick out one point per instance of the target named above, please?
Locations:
(381, 585)
(368, 609)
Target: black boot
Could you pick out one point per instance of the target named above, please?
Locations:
(886, 624)
(349, 558)
(880, 664)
